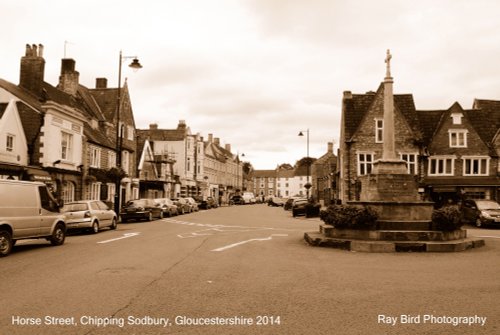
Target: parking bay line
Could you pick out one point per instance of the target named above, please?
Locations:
(126, 235)
(247, 241)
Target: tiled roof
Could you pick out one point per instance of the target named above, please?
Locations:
(21, 93)
(285, 173)
(32, 121)
(99, 137)
(485, 118)
(429, 120)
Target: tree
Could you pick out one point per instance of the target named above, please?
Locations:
(285, 166)
(305, 161)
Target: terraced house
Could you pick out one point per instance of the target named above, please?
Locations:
(453, 153)
(68, 134)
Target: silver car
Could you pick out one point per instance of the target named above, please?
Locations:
(89, 214)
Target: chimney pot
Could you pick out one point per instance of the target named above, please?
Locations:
(330, 147)
(101, 83)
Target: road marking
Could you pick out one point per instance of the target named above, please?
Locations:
(247, 241)
(127, 235)
(487, 236)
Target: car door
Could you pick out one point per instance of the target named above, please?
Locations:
(105, 215)
(49, 211)
(469, 211)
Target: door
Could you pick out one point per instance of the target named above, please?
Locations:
(49, 211)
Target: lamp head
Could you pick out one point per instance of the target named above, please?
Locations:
(301, 134)
(135, 64)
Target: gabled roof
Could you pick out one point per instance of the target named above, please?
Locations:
(358, 105)
(485, 118)
(22, 94)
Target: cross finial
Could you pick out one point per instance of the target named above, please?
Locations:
(388, 62)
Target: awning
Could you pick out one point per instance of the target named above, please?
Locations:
(11, 168)
(36, 174)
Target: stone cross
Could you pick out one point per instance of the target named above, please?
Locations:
(388, 62)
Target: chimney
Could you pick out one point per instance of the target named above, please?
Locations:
(182, 124)
(330, 147)
(210, 138)
(153, 126)
(68, 80)
(228, 147)
(217, 141)
(32, 69)
(347, 95)
(101, 83)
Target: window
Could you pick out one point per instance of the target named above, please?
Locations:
(130, 133)
(9, 146)
(365, 162)
(125, 161)
(261, 185)
(458, 138)
(46, 200)
(68, 192)
(457, 118)
(411, 162)
(379, 131)
(476, 166)
(95, 191)
(270, 192)
(111, 159)
(441, 166)
(111, 192)
(66, 146)
(95, 157)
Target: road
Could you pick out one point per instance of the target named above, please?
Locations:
(242, 270)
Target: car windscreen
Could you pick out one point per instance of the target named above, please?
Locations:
(74, 207)
(484, 205)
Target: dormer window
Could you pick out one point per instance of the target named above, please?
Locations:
(457, 118)
(379, 130)
(458, 138)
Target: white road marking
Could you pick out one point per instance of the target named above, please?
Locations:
(487, 236)
(127, 235)
(247, 241)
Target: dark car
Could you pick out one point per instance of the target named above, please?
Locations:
(236, 200)
(208, 203)
(168, 206)
(183, 206)
(481, 212)
(289, 203)
(141, 209)
(305, 207)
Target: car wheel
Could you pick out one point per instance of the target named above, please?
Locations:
(479, 223)
(6, 243)
(59, 235)
(95, 227)
(113, 224)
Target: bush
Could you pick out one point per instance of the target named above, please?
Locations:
(447, 218)
(349, 217)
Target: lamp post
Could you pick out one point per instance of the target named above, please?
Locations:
(307, 185)
(238, 172)
(119, 129)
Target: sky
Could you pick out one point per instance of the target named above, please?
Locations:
(255, 73)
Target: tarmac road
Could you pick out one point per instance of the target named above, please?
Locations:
(247, 266)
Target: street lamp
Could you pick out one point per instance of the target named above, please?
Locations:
(307, 185)
(135, 65)
(238, 171)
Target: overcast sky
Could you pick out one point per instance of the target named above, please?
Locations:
(256, 72)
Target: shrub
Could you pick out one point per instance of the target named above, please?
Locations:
(447, 218)
(349, 217)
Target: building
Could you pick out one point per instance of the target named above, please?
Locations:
(264, 183)
(323, 172)
(452, 153)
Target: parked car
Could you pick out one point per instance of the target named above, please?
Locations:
(275, 202)
(183, 206)
(28, 210)
(249, 198)
(89, 214)
(299, 207)
(141, 209)
(207, 203)
(290, 202)
(193, 203)
(168, 207)
(481, 212)
(236, 200)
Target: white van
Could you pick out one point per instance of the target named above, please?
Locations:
(249, 198)
(28, 210)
